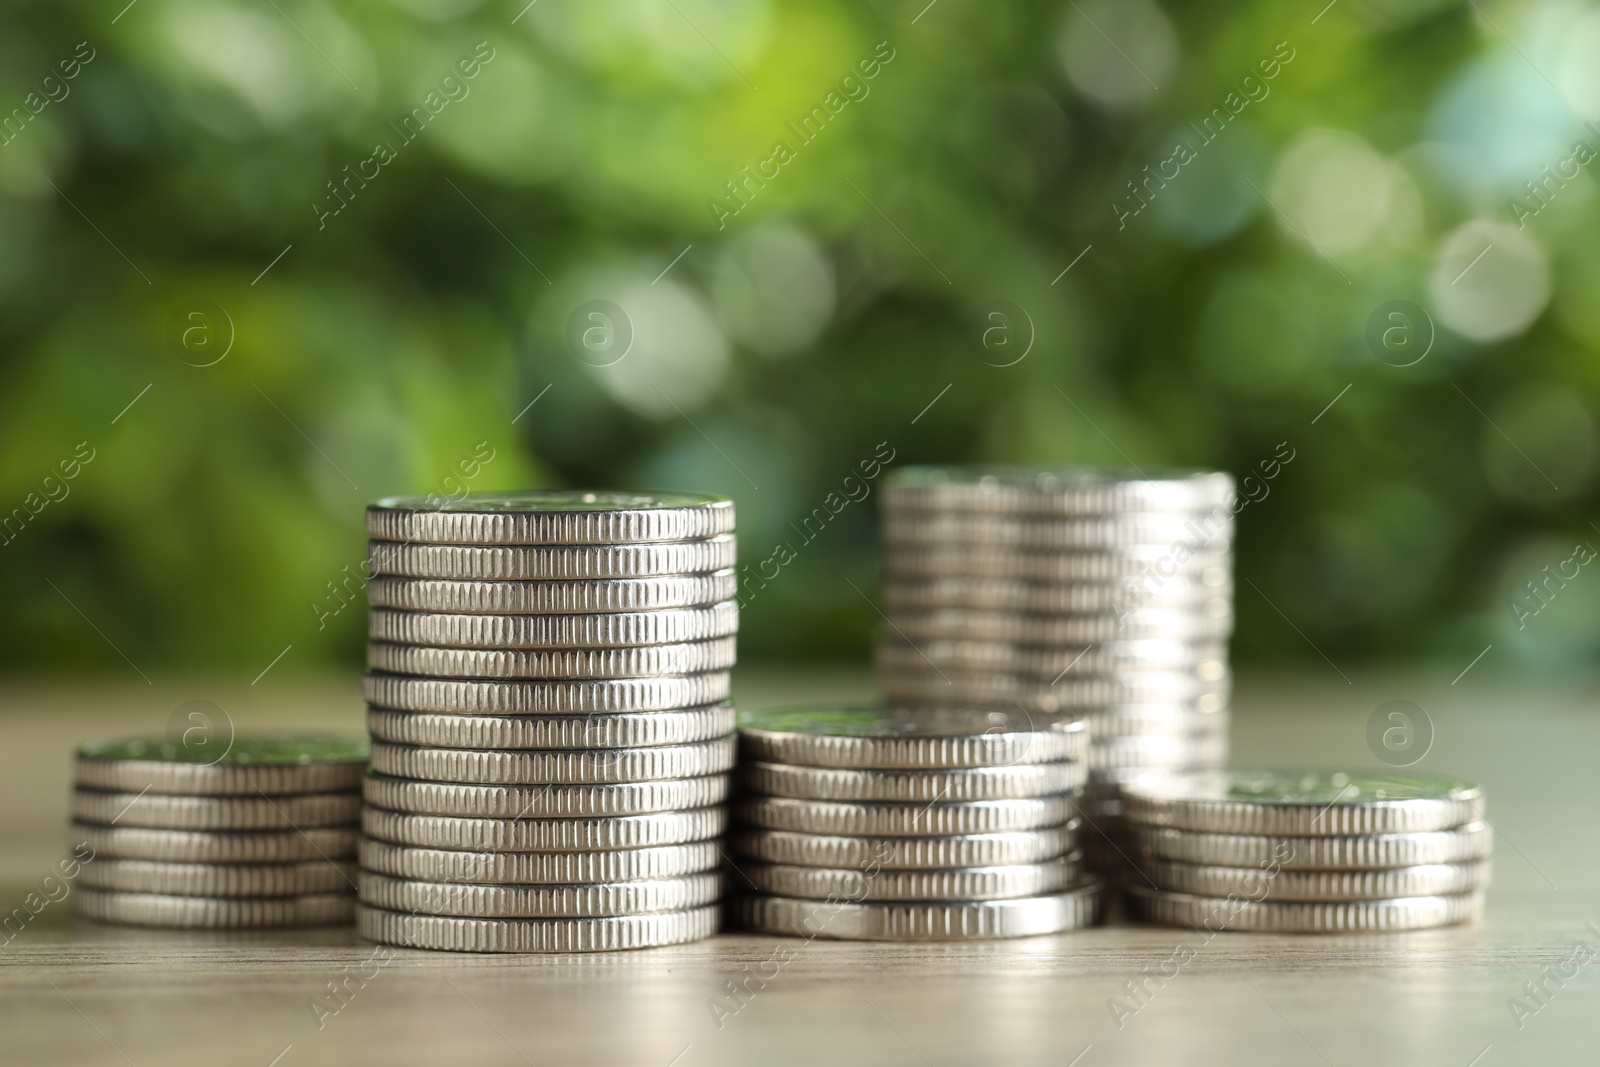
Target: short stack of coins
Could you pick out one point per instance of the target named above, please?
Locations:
(892, 824)
(1305, 852)
(1107, 594)
(552, 735)
(261, 835)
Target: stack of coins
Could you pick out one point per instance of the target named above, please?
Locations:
(1105, 594)
(1306, 852)
(888, 824)
(259, 836)
(551, 731)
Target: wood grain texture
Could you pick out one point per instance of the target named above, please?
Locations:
(78, 993)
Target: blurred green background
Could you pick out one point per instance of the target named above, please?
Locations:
(329, 250)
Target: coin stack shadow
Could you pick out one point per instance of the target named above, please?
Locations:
(263, 836)
(1305, 852)
(552, 738)
(1108, 594)
(889, 824)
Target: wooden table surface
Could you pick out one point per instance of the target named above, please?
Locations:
(75, 992)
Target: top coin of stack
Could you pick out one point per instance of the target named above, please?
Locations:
(898, 824)
(551, 731)
(1306, 852)
(260, 834)
(1104, 593)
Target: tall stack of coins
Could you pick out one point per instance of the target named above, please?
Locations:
(1306, 852)
(262, 835)
(1107, 594)
(889, 824)
(551, 731)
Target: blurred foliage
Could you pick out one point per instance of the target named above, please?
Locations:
(915, 236)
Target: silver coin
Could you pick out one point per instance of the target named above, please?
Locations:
(1207, 530)
(1303, 803)
(571, 767)
(1206, 661)
(928, 685)
(539, 868)
(551, 517)
(1077, 598)
(1258, 884)
(541, 901)
(989, 561)
(919, 921)
(537, 935)
(1068, 492)
(670, 626)
(1144, 720)
(905, 853)
(1213, 623)
(212, 913)
(204, 846)
(162, 811)
(1157, 751)
(220, 879)
(623, 730)
(970, 883)
(1304, 917)
(900, 737)
(461, 697)
(648, 661)
(245, 766)
(888, 819)
(552, 598)
(544, 801)
(977, 783)
(524, 563)
(1368, 852)
(604, 834)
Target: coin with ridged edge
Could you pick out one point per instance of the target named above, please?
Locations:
(905, 853)
(1076, 491)
(212, 913)
(1211, 622)
(525, 563)
(645, 661)
(1114, 658)
(887, 819)
(220, 879)
(922, 921)
(539, 868)
(1175, 751)
(1153, 720)
(537, 935)
(400, 693)
(597, 730)
(541, 901)
(970, 883)
(615, 629)
(551, 517)
(603, 834)
(1078, 598)
(975, 783)
(908, 737)
(248, 766)
(928, 685)
(163, 811)
(544, 801)
(570, 767)
(220, 846)
(1303, 803)
(989, 561)
(1303, 917)
(552, 598)
(1085, 534)
(1260, 884)
(1368, 852)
